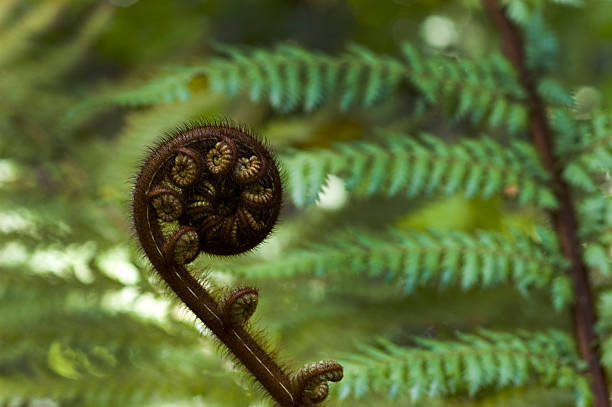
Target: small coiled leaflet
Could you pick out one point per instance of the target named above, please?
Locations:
(216, 189)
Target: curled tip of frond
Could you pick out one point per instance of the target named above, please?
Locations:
(183, 246)
(310, 381)
(239, 305)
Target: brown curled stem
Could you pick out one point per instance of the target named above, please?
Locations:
(189, 169)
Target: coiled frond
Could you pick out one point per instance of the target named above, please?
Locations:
(215, 188)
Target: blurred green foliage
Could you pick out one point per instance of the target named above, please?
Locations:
(86, 86)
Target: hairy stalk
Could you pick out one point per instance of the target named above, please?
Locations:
(564, 218)
(216, 189)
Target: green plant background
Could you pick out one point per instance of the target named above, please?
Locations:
(83, 319)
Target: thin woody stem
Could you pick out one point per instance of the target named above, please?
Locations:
(564, 218)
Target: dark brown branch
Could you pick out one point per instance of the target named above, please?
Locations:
(564, 218)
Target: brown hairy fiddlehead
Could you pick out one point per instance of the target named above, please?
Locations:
(216, 189)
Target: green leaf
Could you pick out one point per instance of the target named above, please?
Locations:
(421, 165)
(598, 257)
(472, 363)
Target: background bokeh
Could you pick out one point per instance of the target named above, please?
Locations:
(83, 319)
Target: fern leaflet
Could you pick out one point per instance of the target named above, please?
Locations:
(591, 152)
(424, 165)
(435, 368)
(417, 259)
(291, 78)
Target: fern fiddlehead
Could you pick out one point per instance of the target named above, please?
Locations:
(217, 189)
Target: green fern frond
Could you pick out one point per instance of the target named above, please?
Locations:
(171, 87)
(566, 130)
(521, 10)
(288, 77)
(596, 231)
(572, 3)
(435, 368)
(554, 93)
(596, 217)
(291, 78)
(417, 259)
(597, 256)
(597, 133)
(604, 326)
(577, 174)
(586, 137)
(424, 165)
(541, 46)
(483, 89)
(592, 154)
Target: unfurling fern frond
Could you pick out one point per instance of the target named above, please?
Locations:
(424, 165)
(435, 368)
(417, 259)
